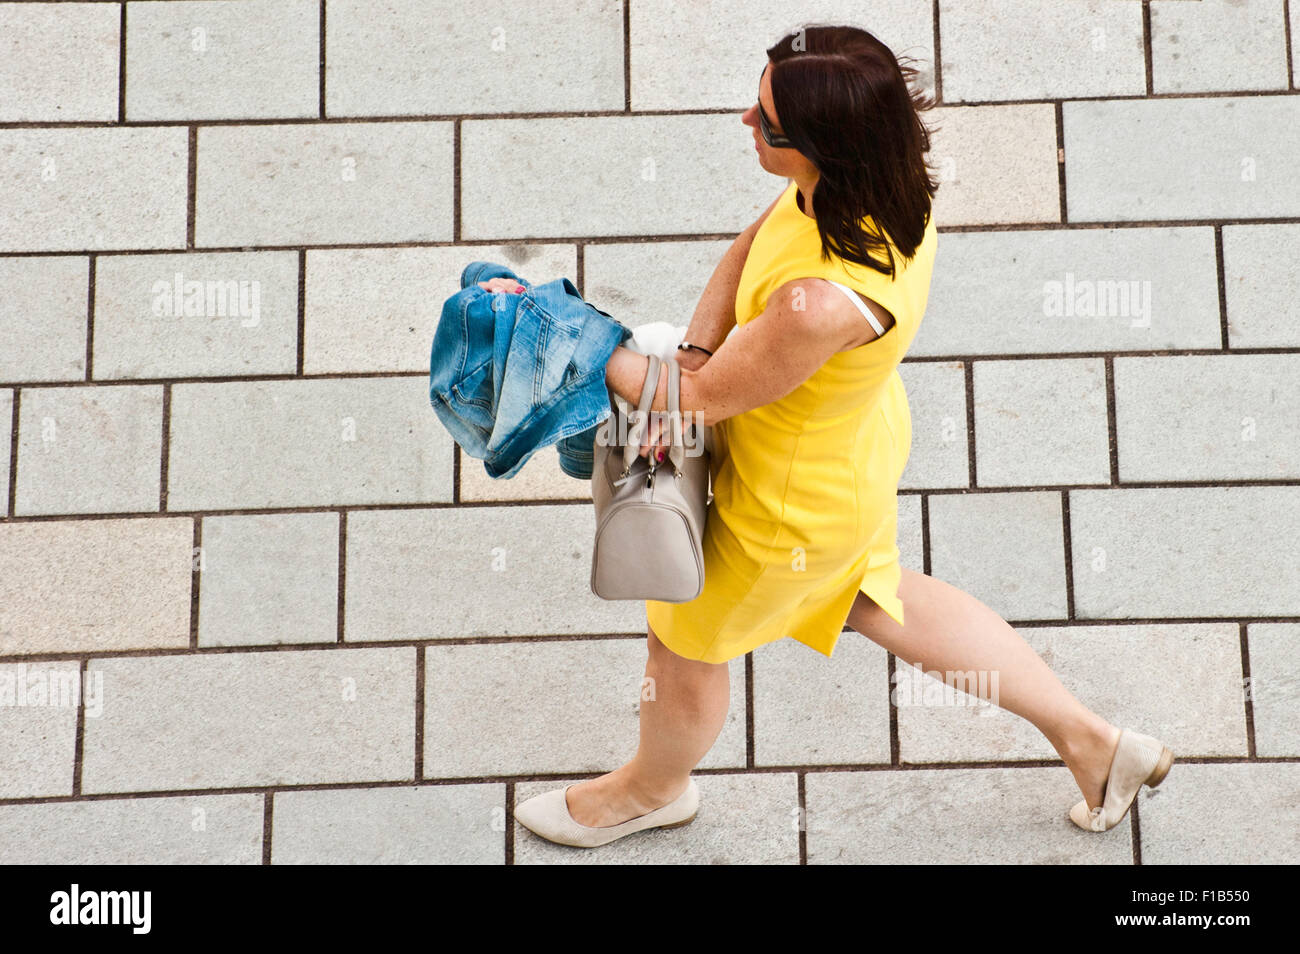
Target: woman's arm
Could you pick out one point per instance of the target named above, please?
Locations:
(806, 321)
(715, 315)
(713, 320)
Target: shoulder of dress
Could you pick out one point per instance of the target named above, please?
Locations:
(815, 295)
(874, 286)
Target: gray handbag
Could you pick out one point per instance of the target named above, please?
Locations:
(649, 521)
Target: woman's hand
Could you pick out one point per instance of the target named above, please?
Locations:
(658, 439)
(658, 425)
(502, 285)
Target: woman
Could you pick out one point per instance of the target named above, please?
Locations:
(811, 434)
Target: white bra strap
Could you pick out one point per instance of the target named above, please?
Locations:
(862, 306)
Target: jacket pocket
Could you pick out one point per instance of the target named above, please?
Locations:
(553, 356)
(473, 397)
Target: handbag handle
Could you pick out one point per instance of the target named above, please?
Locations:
(641, 425)
(677, 447)
(641, 421)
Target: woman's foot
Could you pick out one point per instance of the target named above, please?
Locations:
(612, 799)
(1089, 757)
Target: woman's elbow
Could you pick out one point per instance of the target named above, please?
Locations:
(698, 406)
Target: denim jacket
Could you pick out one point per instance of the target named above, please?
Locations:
(510, 374)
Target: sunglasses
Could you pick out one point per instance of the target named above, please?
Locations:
(765, 126)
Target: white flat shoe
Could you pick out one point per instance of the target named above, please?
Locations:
(1139, 759)
(548, 815)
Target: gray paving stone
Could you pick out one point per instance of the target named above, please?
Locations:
(953, 816)
(641, 282)
(1070, 290)
(1295, 31)
(1180, 683)
(911, 552)
(205, 60)
(995, 164)
(195, 315)
(936, 398)
(690, 56)
(88, 189)
(60, 62)
(1261, 284)
(269, 578)
(6, 437)
(304, 443)
(556, 706)
(43, 318)
(89, 449)
(1040, 49)
(1181, 158)
(1185, 551)
(1217, 45)
(809, 710)
(743, 819)
(1275, 687)
(1041, 422)
(477, 571)
(182, 830)
(1208, 417)
(539, 479)
(634, 175)
(324, 184)
(244, 719)
(412, 825)
(1233, 814)
(376, 309)
(95, 585)
(1005, 549)
(417, 57)
(38, 728)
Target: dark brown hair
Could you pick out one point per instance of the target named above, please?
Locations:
(846, 103)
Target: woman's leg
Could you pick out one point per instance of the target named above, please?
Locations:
(684, 704)
(949, 630)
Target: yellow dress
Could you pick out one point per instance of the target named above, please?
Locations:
(805, 488)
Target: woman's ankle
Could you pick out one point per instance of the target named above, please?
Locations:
(654, 790)
(1087, 739)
